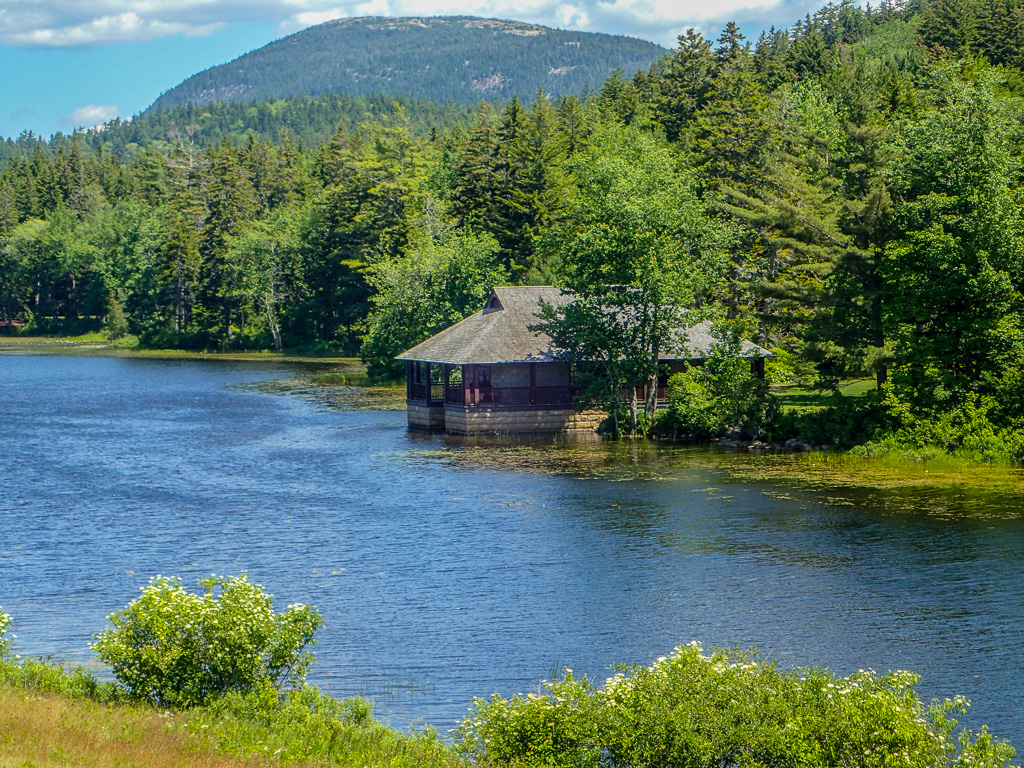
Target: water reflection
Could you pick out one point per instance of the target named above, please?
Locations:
(450, 569)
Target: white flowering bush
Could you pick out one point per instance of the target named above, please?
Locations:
(177, 648)
(727, 709)
(5, 642)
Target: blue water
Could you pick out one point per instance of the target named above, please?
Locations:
(441, 580)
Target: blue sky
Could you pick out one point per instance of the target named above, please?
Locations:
(68, 63)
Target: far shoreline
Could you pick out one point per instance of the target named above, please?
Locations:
(99, 347)
(807, 470)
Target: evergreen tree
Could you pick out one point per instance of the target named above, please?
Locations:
(1000, 30)
(232, 202)
(950, 25)
(681, 84)
(179, 264)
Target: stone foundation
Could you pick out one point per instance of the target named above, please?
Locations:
(483, 421)
(425, 416)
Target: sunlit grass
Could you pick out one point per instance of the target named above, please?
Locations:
(97, 344)
(797, 398)
(44, 730)
(50, 716)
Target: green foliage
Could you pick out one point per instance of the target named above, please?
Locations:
(265, 258)
(706, 401)
(638, 249)
(302, 725)
(176, 648)
(726, 708)
(43, 677)
(788, 368)
(306, 726)
(445, 275)
(953, 302)
(974, 429)
(5, 642)
(841, 421)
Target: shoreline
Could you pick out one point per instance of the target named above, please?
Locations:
(74, 345)
(800, 467)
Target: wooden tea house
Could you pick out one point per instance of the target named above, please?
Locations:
(491, 374)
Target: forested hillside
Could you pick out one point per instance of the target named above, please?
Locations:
(846, 192)
(458, 58)
(305, 121)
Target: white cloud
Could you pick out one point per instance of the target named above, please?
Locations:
(52, 23)
(90, 116)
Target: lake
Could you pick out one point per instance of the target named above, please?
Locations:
(447, 570)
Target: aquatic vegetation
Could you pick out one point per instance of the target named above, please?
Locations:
(943, 485)
(338, 385)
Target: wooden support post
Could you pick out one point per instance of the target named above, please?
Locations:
(533, 383)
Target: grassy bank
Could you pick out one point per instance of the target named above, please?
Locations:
(98, 344)
(687, 709)
(44, 730)
(51, 718)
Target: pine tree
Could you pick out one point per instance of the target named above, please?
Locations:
(1000, 25)
(735, 129)
(682, 84)
(231, 202)
(731, 44)
(179, 267)
(951, 25)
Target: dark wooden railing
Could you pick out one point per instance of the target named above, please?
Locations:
(531, 396)
(455, 392)
(419, 391)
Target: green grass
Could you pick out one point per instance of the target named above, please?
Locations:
(797, 398)
(52, 717)
(97, 344)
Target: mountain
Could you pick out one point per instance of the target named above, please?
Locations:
(461, 58)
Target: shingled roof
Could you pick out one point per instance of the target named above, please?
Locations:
(500, 333)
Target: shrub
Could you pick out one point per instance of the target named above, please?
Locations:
(5, 642)
(842, 421)
(180, 649)
(708, 400)
(43, 677)
(974, 429)
(788, 368)
(305, 726)
(726, 708)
